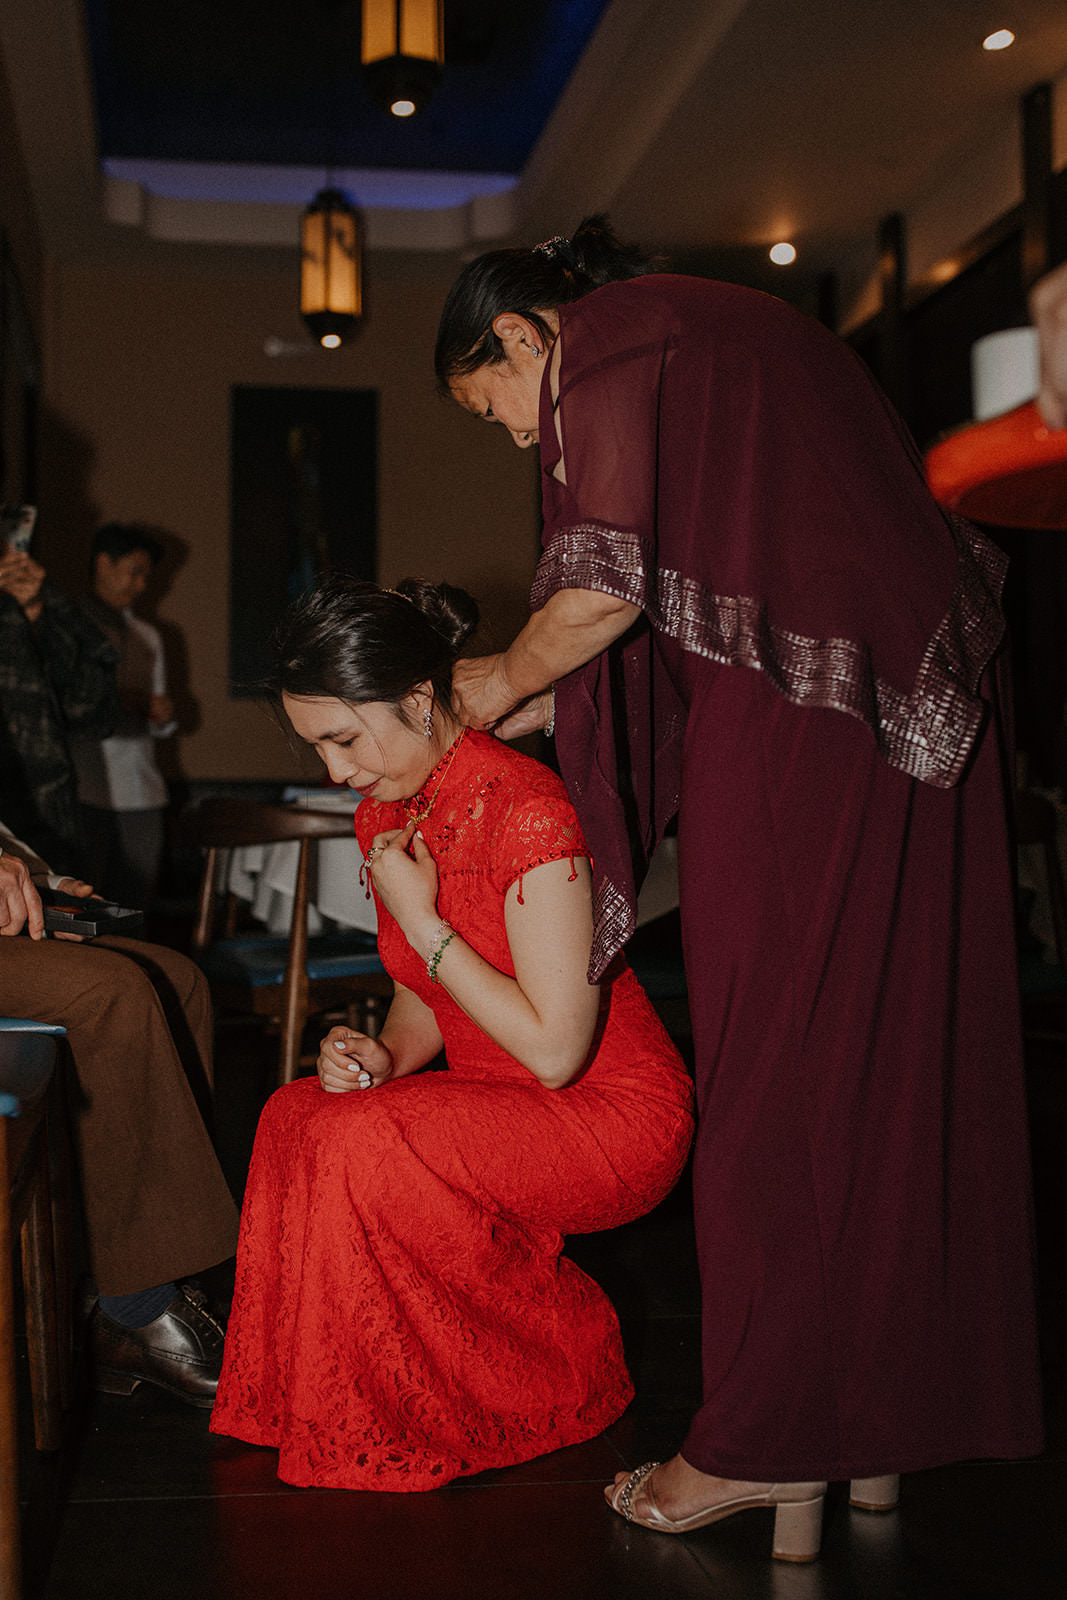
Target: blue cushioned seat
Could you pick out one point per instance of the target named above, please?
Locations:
(261, 962)
(26, 1061)
(28, 1025)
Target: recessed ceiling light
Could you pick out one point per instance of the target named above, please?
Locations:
(999, 40)
(782, 254)
(403, 108)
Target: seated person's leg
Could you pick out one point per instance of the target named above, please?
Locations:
(156, 1203)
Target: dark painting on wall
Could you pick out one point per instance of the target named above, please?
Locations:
(303, 490)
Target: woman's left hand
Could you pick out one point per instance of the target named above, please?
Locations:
(405, 875)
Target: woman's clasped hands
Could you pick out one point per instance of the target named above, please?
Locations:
(352, 1060)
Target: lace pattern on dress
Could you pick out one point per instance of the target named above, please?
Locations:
(927, 733)
(528, 824)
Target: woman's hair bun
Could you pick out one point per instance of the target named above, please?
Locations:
(452, 612)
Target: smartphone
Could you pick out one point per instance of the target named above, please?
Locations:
(89, 917)
(16, 526)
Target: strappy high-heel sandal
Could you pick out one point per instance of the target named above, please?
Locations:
(797, 1512)
(798, 1509)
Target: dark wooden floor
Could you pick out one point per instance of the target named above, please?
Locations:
(145, 1505)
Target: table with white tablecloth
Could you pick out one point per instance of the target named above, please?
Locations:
(265, 875)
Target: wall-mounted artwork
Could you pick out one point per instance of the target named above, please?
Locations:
(303, 505)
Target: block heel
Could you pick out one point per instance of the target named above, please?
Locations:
(798, 1530)
(874, 1494)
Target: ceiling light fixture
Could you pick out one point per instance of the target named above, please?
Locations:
(999, 40)
(331, 268)
(783, 254)
(403, 52)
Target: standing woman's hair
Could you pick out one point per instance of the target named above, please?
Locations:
(527, 282)
(350, 640)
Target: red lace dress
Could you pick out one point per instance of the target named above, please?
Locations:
(403, 1314)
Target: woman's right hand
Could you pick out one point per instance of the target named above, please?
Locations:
(20, 904)
(482, 691)
(351, 1060)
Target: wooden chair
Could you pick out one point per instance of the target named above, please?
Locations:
(34, 1208)
(291, 978)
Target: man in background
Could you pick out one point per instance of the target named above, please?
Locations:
(121, 789)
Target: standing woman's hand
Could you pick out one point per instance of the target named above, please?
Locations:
(482, 691)
(533, 716)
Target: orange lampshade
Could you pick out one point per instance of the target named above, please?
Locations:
(1010, 471)
(331, 268)
(403, 52)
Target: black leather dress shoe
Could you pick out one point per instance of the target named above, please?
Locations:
(181, 1351)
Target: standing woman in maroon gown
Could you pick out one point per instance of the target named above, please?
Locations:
(755, 618)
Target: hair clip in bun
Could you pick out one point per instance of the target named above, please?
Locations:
(556, 246)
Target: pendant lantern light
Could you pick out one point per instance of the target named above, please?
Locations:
(403, 52)
(331, 268)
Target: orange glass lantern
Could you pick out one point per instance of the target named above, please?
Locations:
(331, 268)
(403, 52)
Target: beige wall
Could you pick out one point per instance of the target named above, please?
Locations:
(139, 366)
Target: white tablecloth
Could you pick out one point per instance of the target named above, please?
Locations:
(265, 875)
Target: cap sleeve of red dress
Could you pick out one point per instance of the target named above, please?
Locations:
(539, 825)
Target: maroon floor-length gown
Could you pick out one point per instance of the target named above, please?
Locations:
(402, 1312)
(814, 690)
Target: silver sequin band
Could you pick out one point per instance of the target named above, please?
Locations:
(927, 732)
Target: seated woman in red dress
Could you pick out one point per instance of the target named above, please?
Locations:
(403, 1314)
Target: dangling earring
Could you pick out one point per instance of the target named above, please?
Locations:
(427, 722)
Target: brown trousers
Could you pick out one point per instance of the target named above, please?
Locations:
(138, 1021)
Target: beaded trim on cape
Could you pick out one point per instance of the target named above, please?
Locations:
(927, 733)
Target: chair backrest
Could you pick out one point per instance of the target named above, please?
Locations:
(223, 823)
(1037, 823)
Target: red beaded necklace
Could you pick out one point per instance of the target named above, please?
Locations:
(442, 768)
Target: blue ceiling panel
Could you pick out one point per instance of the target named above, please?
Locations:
(278, 81)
